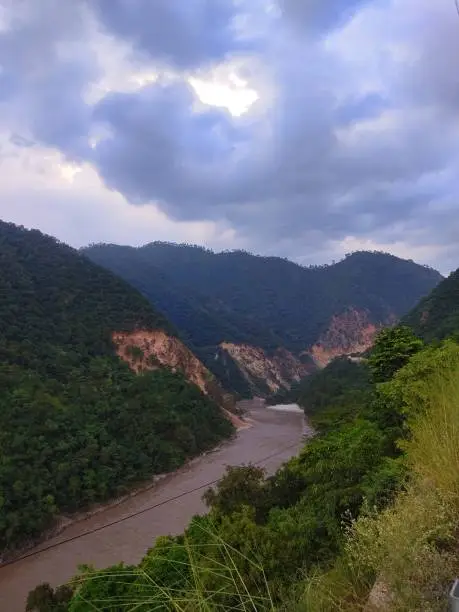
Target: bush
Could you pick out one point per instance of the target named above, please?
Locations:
(412, 545)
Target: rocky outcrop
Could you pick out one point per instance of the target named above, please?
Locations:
(349, 333)
(267, 373)
(150, 349)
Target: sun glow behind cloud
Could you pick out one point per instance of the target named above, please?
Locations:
(235, 94)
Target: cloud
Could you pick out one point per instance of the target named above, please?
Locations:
(352, 136)
(40, 189)
(319, 16)
(45, 72)
(177, 34)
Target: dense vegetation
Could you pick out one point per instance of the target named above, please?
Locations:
(76, 425)
(353, 507)
(437, 315)
(263, 301)
(374, 496)
(331, 396)
(262, 536)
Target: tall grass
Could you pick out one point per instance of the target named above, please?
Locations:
(412, 546)
(207, 579)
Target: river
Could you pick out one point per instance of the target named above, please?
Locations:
(275, 436)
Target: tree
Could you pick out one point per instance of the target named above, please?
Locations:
(392, 350)
(45, 599)
(241, 485)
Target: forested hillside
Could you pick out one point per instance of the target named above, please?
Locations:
(437, 315)
(366, 515)
(435, 318)
(266, 302)
(76, 424)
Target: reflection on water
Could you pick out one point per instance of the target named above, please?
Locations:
(274, 437)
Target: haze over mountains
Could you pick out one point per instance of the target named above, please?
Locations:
(260, 323)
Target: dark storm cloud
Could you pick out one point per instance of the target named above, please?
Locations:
(287, 170)
(319, 16)
(158, 147)
(183, 34)
(41, 81)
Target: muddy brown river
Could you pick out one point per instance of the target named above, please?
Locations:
(272, 439)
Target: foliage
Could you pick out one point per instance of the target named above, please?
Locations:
(436, 317)
(262, 301)
(88, 587)
(241, 486)
(334, 395)
(391, 351)
(308, 537)
(175, 576)
(46, 599)
(409, 392)
(411, 544)
(76, 425)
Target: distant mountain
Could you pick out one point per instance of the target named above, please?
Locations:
(86, 407)
(437, 315)
(260, 323)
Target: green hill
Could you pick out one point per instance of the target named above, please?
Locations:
(437, 315)
(76, 424)
(266, 302)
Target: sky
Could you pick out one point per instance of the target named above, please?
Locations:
(301, 128)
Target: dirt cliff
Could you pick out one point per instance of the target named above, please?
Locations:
(267, 373)
(145, 349)
(349, 333)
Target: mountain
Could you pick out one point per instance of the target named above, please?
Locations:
(437, 315)
(87, 407)
(260, 323)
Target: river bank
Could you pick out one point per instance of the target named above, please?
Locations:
(125, 531)
(63, 522)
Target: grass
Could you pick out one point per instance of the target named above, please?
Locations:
(135, 589)
(412, 546)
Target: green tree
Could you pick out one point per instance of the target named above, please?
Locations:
(392, 350)
(240, 486)
(109, 590)
(46, 599)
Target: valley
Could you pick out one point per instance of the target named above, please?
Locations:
(260, 324)
(123, 383)
(229, 306)
(273, 438)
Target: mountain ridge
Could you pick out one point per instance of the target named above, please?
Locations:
(268, 303)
